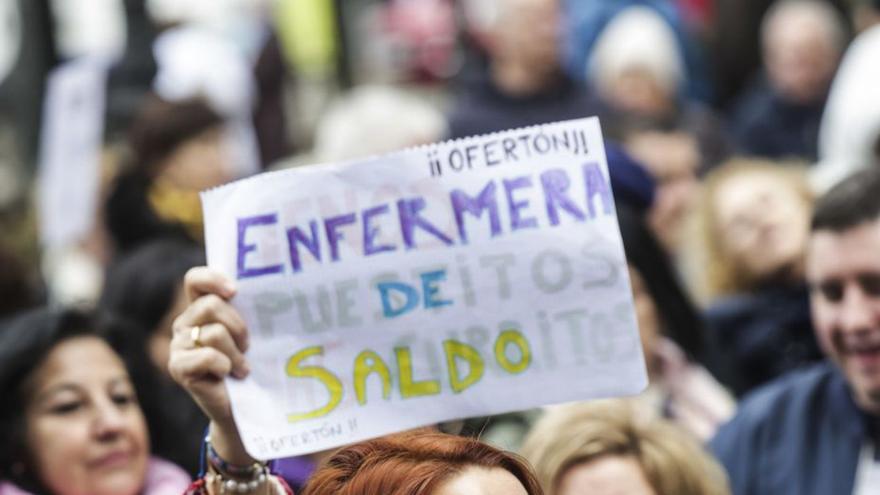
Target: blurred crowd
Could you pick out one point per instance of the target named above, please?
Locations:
(743, 142)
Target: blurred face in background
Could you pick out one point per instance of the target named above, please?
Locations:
(636, 91)
(198, 163)
(608, 475)
(672, 159)
(528, 32)
(763, 224)
(86, 434)
(800, 54)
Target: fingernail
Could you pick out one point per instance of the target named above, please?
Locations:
(229, 288)
(243, 371)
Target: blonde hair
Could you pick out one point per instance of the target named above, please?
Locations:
(713, 272)
(673, 462)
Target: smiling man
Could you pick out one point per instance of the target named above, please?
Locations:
(817, 431)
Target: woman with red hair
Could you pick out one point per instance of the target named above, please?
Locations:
(423, 463)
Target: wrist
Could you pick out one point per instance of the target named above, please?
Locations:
(225, 441)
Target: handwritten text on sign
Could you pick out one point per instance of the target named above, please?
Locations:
(466, 278)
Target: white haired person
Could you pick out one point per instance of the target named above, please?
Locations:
(357, 124)
(520, 82)
(779, 115)
(637, 70)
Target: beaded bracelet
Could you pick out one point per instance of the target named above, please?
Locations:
(200, 486)
(232, 486)
(248, 478)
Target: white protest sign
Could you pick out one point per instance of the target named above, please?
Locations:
(465, 278)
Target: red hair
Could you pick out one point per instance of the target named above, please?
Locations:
(412, 463)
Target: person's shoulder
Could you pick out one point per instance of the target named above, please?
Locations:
(772, 310)
(784, 430)
(797, 384)
(752, 105)
(165, 478)
(732, 306)
(772, 417)
(735, 317)
(7, 488)
(476, 109)
(758, 91)
(787, 397)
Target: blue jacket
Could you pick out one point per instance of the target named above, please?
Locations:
(799, 435)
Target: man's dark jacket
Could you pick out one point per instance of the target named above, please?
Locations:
(800, 434)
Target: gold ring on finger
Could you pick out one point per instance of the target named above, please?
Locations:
(195, 334)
